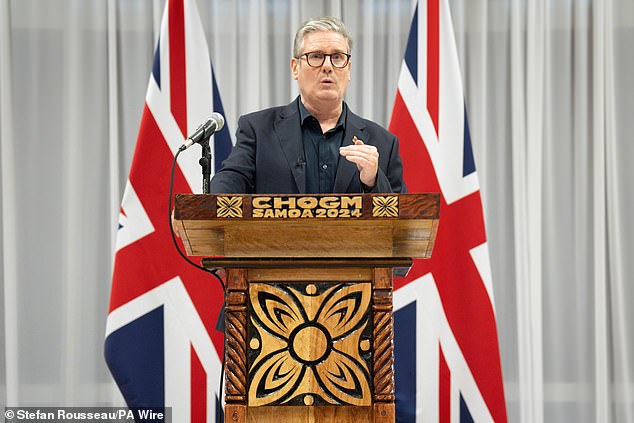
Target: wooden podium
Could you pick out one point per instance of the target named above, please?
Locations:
(309, 328)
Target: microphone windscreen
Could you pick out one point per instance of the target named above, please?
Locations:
(218, 119)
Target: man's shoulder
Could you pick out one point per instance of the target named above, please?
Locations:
(270, 113)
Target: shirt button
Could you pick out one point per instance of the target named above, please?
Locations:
(324, 166)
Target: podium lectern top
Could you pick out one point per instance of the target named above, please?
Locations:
(327, 225)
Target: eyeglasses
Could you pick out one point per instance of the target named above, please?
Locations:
(316, 59)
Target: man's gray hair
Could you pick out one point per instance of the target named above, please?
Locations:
(325, 23)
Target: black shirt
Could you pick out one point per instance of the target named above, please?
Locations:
(321, 151)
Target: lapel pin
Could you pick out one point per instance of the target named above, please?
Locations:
(356, 140)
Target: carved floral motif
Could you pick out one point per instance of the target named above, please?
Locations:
(310, 344)
(229, 207)
(385, 206)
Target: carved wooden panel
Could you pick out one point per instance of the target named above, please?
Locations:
(383, 347)
(309, 344)
(383, 360)
(236, 334)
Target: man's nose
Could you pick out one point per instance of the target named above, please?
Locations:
(327, 63)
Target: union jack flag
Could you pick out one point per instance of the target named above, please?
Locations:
(446, 301)
(161, 345)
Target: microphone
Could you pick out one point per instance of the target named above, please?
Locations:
(214, 123)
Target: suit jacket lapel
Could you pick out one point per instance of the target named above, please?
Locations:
(346, 169)
(289, 132)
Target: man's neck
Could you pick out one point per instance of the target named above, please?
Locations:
(327, 114)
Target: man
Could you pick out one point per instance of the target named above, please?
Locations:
(297, 148)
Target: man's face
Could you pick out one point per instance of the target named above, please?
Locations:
(326, 83)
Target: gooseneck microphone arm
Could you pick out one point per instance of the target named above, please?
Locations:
(214, 123)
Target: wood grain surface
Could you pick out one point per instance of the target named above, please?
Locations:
(410, 234)
(325, 414)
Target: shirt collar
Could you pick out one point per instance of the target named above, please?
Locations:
(305, 114)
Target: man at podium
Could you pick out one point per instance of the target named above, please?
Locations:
(315, 144)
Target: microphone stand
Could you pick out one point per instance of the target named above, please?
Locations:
(205, 163)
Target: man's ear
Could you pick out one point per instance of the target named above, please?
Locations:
(294, 68)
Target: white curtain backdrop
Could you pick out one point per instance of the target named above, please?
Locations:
(550, 95)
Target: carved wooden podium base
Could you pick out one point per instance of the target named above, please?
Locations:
(309, 330)
(311, 341)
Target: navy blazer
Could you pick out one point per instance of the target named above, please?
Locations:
(268, 157)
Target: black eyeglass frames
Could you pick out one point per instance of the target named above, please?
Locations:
(316, 59)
